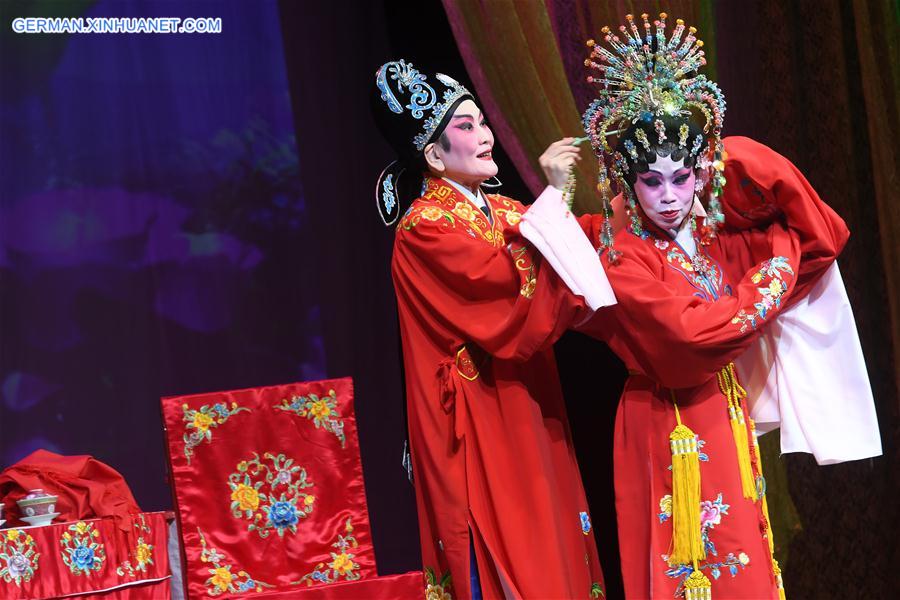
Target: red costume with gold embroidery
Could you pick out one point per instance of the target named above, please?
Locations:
(677, 325)
(491, 450)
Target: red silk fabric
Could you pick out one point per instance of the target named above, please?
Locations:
(269, 489)
(86, 488)
(114, 563)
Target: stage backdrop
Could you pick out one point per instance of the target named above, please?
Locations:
(155, 233)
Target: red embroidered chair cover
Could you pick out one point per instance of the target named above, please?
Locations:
(269, 489)
(93, 558)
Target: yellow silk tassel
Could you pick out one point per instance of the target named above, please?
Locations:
(734, 393)
(687, 544)
(697, 586)
(776, 570)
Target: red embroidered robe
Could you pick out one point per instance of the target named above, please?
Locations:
(491, 449)
(677, 323)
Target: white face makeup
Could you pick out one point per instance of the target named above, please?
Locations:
(666, 193)
(469, 160)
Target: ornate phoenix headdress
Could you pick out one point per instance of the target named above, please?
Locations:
(645, 76)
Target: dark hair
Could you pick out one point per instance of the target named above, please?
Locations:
(668, 147)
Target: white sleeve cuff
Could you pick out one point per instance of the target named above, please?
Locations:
(553, 230)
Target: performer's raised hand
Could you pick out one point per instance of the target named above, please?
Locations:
(557, 159)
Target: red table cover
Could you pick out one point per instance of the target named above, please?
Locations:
(269, 489)
(80, 557)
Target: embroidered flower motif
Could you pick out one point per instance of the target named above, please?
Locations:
(512, 217)
(661, 244)
(323, 412)
(341, 565)
(437, 590)
(246, 497)
(711, 512)
(144, 555)
(282, 515)
(710, 515)
(200, 423)
(464, 210)
(585, 522)
(431, 213)
(83, 557)
(82, 553)
(18, 566)
(665, 508)
(253, 495)
(770, 295)
(18, 557)
(222, 580)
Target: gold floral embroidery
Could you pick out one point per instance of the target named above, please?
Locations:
(82, 550)
(271, 497)
(202, 421)
(221, 579)
(341, 565)
(143, 552)
(431, 213)
(435, 590)
(523, 263)
(18, 556)
(323, 412)
(464, 210)
(441, 205)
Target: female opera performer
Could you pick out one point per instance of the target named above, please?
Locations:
(695, 288)
(500, 503)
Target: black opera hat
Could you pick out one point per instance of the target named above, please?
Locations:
(411, 110)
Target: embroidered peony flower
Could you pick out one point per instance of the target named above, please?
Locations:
(83, 557)
(661, 244)
(436, 592)
(464, 211)
(282, 514)
(202, 421)
(342, 563)
(81, 527)
(246, 497)
(775, 287)
(12, 534)
(431, 213)
(743, 558)
(710, 514)
(144, 554)
(665, 506)
(18, 565)
(320, 410)
(221, 578)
